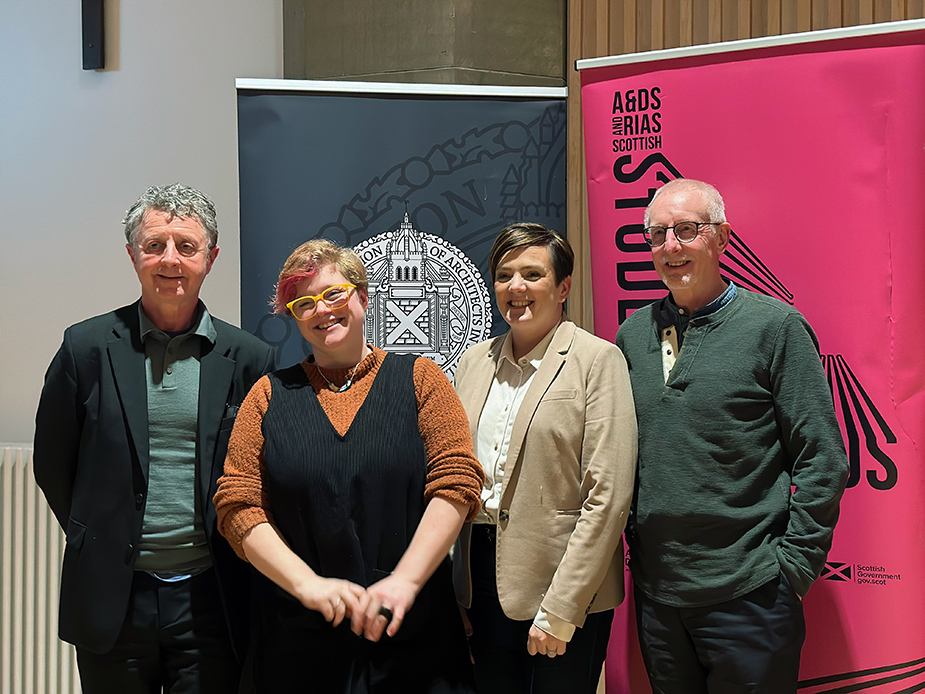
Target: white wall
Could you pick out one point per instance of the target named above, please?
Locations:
(78, 147)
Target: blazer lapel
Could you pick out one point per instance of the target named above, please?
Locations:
(216, 371)
(545, 375)
(127, 357)
(482, 376)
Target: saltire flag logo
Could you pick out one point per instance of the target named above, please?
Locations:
(836, 571)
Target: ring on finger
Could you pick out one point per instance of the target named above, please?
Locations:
(550, 651)
(385, 612)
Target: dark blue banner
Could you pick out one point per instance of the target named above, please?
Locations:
(418, 184)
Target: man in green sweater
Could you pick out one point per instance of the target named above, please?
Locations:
(741, 464)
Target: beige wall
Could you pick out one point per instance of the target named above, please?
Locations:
(77, 147)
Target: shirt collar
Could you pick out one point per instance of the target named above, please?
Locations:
(534, 356)
(202, 325)
(669, 314)
(718, 303)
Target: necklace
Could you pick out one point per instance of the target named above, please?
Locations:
(331, 386)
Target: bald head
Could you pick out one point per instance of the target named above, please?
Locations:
(713, 205)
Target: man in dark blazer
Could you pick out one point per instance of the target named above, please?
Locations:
(130, 440)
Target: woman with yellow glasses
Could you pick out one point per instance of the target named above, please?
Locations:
(347, 480)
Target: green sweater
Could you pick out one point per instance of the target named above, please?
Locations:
(746, 413)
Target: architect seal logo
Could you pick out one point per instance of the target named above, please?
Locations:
(425, 296)
(465, 189)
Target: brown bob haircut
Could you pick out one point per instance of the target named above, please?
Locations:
(523, 234)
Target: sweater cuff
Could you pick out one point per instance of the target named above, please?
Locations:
(236, 522)
(553, 626)
(456, 494)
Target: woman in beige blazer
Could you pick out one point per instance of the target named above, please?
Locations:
(550, 407)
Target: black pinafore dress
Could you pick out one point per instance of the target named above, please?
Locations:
(349, 506)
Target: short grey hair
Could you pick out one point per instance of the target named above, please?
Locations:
(715, 207)
(177, 200)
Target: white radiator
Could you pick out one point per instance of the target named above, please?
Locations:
(32, 659)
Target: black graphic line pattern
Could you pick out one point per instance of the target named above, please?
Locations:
(853, 413)
(887, 432)
(760, 278)
(868, 684)
(851, 430)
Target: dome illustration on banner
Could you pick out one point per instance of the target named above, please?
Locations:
(425, 296)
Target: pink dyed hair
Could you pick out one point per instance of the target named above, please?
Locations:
(306, 260)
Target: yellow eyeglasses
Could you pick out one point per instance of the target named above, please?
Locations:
(304, 307)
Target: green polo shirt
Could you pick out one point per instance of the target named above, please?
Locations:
(173, 541)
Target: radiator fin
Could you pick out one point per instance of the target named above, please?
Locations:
(32, 659)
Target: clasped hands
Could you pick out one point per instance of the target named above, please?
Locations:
(380, 608)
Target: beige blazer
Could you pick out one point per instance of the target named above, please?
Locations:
(568, 480)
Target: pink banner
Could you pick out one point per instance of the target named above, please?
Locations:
(817, 149)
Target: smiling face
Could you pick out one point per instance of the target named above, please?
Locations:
(689, 270)
(171, 257)
(529, 298)
(336, 335)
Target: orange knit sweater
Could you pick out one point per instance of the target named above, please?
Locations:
(453, 473)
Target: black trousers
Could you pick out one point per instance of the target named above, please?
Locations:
(499, 644)
(174, 639)
(748, 645)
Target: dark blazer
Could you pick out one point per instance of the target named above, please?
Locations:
(91, 461)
